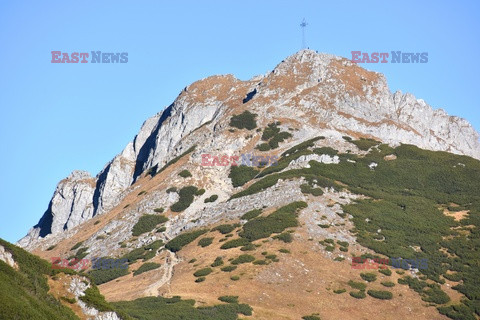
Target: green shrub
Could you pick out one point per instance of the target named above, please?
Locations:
(459, 311)
(276, 222)
(241, 174)
(284, 250)
(100, 276)
(273, 135)
(142, 192)
(185, 174)
(162, 229)
(342, 243)
(380, 294)
(453, 276)
(307, 189)
(430, 292)
(235, 278)
(388, 284)
(218, 262)
(159, 210)
(270, 131)
(200, 279)
(93, 298)
(244, 258)
(248, 247)
(368, 276)
(339, 291)
(251, 214)
(80, 254)
(229, 299)
(147, 223)
(386, 272)
(69, 300)
(192, 260)
(146, 267)
(228, 268)
(154, 246)
(357, 285)
(203, 272)
(300, 147)
(260, 262)
(200, 192)
(134, 255)
(51, 248)
(311, 317)
(271, 256)
(325, 150)
(171, 189)
(212, 198)
(436, 295)
(186, 198)
(154, 308)
(205, 242)
(365, 144)
(225, 228)
(285, 237)
(239, 242)
(77, 245)
(177, 243)
(245, 120)
(329, 248)
(282, 136)
(358, 294)
(263, 147)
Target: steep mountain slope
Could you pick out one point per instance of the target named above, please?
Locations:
(316, 91)
(346, 184)
(31, 289)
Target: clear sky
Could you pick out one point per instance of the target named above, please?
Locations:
(56, 118)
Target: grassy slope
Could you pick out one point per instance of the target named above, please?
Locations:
(408, 195)
(24, 293)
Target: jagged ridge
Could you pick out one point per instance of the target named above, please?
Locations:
(321, 92)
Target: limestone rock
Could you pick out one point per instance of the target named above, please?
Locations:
(320, 93)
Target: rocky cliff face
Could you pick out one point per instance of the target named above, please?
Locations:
(317, 93)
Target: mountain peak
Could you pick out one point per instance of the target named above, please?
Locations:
(314, 94)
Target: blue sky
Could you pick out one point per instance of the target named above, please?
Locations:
(56, 118)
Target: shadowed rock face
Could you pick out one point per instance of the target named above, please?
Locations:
(317, 91)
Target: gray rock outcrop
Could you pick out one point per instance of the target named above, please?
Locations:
(321, 92)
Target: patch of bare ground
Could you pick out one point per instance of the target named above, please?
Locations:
(59, 288)
(130, 287)
(457, 215)
(301, 283)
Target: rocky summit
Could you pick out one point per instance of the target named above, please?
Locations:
(360, 172)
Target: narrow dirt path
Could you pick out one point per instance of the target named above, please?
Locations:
(170, 261)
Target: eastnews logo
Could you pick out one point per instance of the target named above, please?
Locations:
(95, 263)
(246, 159)
(95, 57)
(396, 57)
